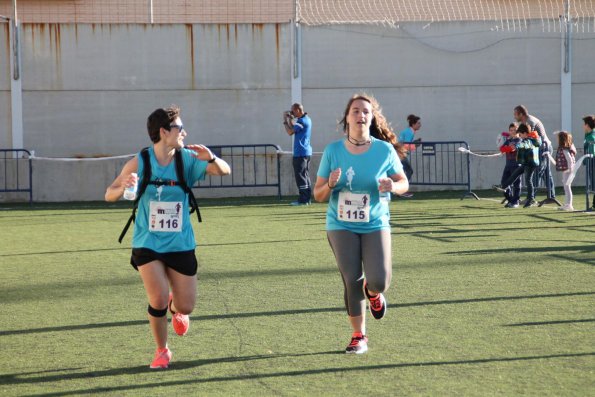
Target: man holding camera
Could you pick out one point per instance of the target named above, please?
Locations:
(298, 124)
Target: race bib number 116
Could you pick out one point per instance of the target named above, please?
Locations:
(165, 216)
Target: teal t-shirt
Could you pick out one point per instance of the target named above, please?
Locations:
(407, 135)
(359, 174)
(166, 241)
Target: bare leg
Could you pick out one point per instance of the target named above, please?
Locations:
(184, 291)
(358, 323)
(154, 278)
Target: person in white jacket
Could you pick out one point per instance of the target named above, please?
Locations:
(565, 162)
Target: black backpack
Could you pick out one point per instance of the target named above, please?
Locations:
(181, 182)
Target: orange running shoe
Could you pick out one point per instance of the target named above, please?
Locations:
(358, 344)
(180, 322)
(377, 303)
(162, 359)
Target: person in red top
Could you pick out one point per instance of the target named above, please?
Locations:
(512, 192)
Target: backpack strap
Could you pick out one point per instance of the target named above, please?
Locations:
(182, 182)
(144, 155)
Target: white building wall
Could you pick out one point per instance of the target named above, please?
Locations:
(89, 88)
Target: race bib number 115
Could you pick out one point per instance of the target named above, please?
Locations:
(354, 207)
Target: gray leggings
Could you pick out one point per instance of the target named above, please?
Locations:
(351, 250)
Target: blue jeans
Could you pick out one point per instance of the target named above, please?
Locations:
(544, 172)
(529, 178)
(513, 189)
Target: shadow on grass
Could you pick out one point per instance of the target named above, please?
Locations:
(525, 250)
(289, 312)
(128, 248)
(582, 261)
(586, 320)
(17, 378)
(321, 371)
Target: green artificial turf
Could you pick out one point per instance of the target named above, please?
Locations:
(484, 301)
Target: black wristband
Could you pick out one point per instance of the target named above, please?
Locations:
(212, 160)
(329, 186)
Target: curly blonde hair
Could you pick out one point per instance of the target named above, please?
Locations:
(380, 127)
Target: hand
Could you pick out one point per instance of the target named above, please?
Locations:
(385, 185)
(201, 152)
(334, 177)
(130, 181)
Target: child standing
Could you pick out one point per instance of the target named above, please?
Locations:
(589, 146)
(565, 160)
(528, 156)
(512, 192)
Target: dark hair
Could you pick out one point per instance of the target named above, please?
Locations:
(161, 118)
(379, 128)
(523, 128)
(513, 125)
(297, 106)
(522, 110)
(564, 139)
(590, 121)
(412, 119)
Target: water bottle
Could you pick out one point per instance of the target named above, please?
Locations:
(130, 192)
(384, 197)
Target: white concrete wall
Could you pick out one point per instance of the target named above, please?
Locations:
(86, 180)
(463, 84)
(5, 120)
(89, 88)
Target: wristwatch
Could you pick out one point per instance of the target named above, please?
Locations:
(212, 160)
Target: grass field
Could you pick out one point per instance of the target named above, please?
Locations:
(484, 301)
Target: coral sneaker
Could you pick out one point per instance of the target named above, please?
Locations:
(358, 344)
(162, 359)
(180, 322)
(377, 303)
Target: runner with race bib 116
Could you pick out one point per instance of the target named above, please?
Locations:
(356, 175)
(163, 243)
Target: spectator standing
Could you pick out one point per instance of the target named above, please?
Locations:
(512, 192)
(589, 147)
(521, 114)
(564, 162)
(298, 123)
(407, 136)
(527, 156)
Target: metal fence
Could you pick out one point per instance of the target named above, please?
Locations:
(252, 166)
(16, 172)
(441, 164)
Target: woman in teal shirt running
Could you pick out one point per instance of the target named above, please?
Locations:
(357, 175)
(163, 243)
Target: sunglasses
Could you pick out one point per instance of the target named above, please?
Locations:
(180, 127)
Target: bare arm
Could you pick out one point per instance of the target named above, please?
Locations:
(219, 167)
(324, 186)
(115, 191)
(288, 128)
(396, 184)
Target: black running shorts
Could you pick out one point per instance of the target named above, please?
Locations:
(183, 262)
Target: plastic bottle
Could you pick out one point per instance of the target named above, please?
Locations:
(130, 192)
(385, 197)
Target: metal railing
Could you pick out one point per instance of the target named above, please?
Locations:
(252, 166)
(16, 165)
(441, 163)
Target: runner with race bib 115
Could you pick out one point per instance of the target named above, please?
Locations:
(355, 176)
